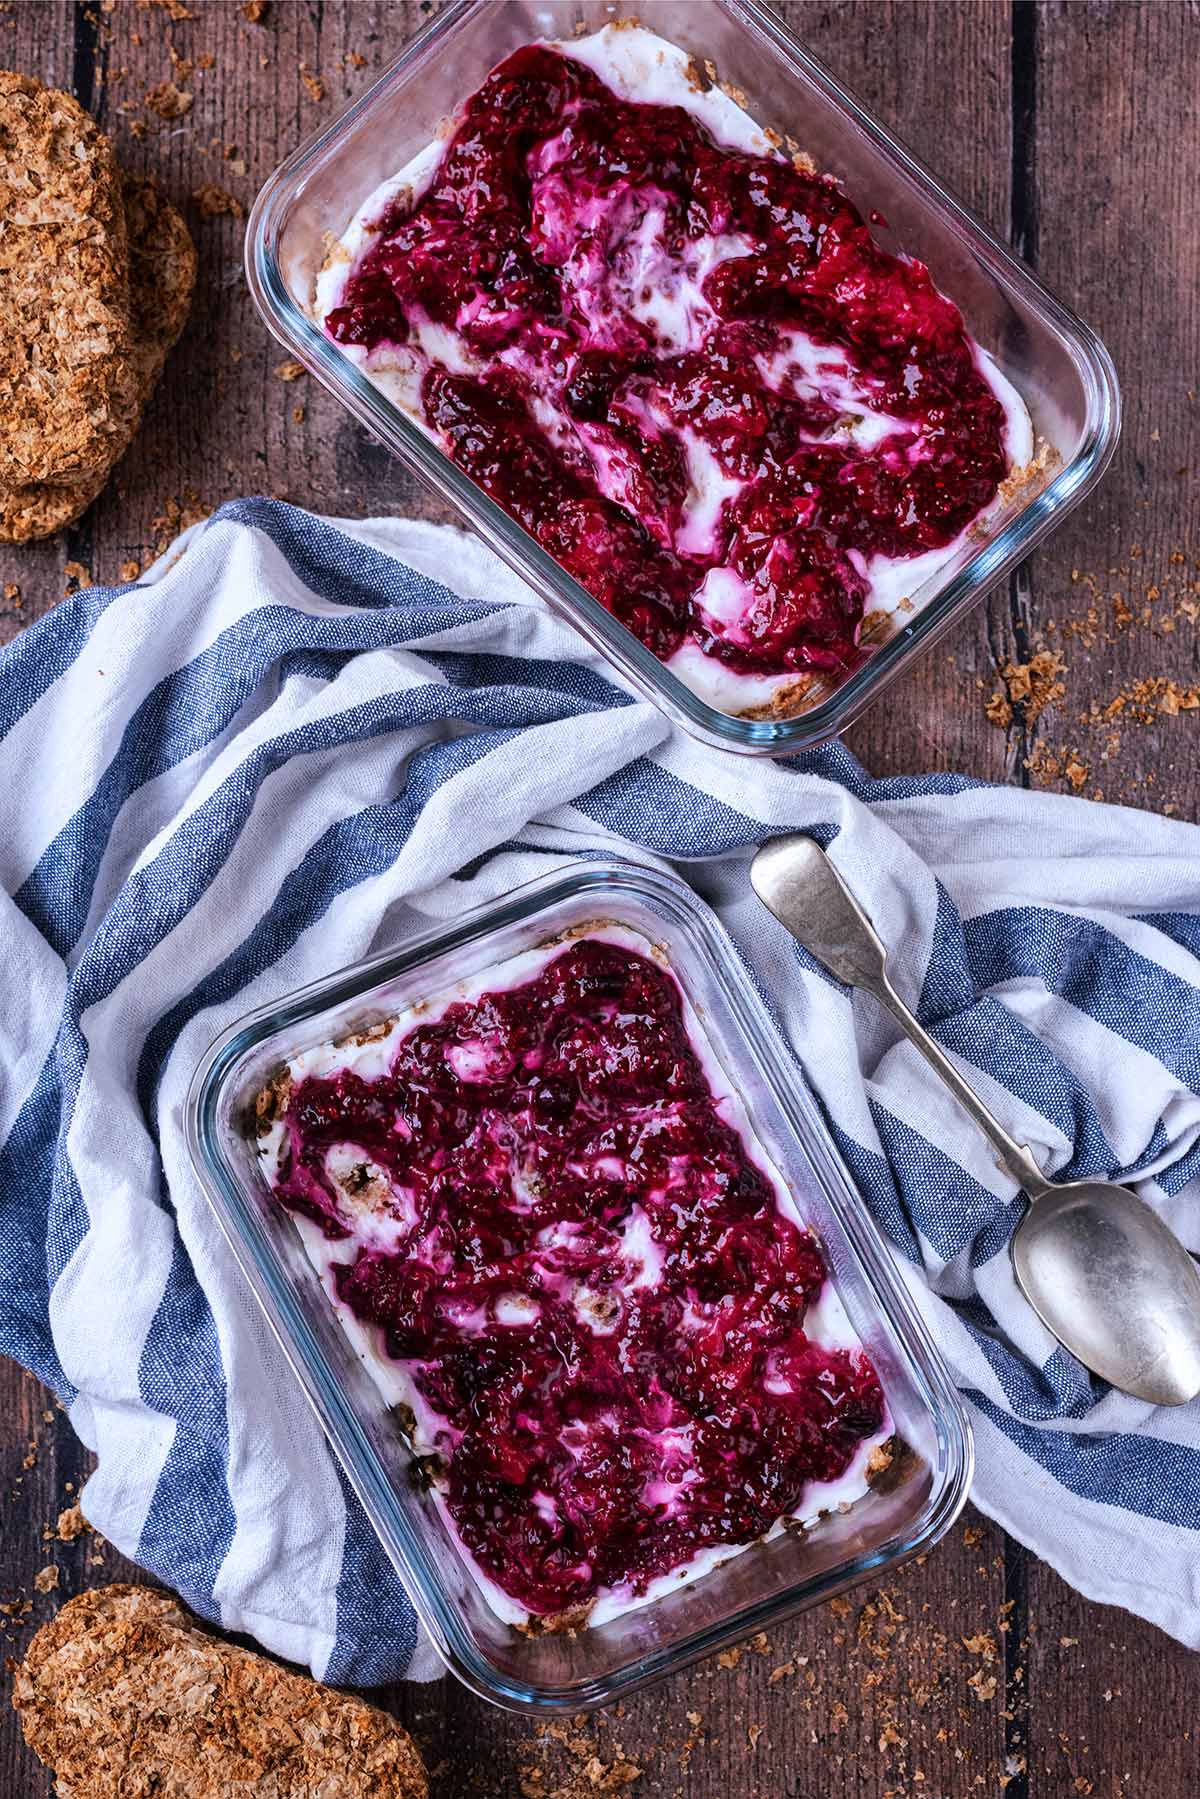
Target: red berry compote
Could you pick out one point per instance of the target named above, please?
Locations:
(677, 356)
(539, 1211)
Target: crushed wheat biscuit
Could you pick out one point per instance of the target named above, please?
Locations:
(65, 317)
(212, 201)
(125, 1696)
(162, 261)
(169, 100)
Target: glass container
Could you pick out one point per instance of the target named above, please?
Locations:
(1059, 366)
(752, 1591)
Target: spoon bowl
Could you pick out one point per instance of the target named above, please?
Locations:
(1112, 1282)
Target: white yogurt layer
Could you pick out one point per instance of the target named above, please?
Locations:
(638, 65)
(382, 1218)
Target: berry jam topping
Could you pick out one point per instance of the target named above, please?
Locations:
(591, 1285)
(661, 352)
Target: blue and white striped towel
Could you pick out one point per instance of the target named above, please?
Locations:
(270, 756)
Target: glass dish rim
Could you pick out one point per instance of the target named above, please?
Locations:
(244, 1233)
(521, 551)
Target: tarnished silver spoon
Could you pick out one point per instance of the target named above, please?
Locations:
(1097, 1264)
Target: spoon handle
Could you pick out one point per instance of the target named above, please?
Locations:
(1014, 1156)
(796, 881)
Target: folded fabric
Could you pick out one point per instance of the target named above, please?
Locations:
(292, 742)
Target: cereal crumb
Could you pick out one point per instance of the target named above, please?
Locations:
(982, 1685)
(1076, 771)
(169, 101)
(71, 1523)
(46, 1578)
(291, 370)
(212, 201)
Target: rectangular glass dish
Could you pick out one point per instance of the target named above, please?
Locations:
(1060, 368)
(898, 1517)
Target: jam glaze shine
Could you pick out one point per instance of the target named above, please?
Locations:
(543, 1211)
(687, 369)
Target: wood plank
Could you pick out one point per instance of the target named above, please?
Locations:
(1113, 1700)
(1113, 202)
(43, 1466)
(1114, 139)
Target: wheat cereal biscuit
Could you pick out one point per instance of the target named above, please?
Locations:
(163, 270)
(66, 384)
(42, 507)
(162, 260)
(125, 1695)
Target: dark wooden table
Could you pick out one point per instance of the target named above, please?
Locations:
(1073, 129)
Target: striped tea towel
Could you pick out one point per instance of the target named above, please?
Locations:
(299, 740)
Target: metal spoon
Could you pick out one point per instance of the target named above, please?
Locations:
(1096, 1263)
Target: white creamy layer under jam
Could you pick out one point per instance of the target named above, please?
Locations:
(678, 357)
(539, 1211)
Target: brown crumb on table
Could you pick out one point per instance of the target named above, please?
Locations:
(71, 1524)
(77, 576)
(212, 202)
(169, 101)
(1167, 606)
(313, 84)
(1031, 685)
(46, 1579)
(255, 10)
(178, 515)
(129, 571)
(1076, 771)
(983, 1685)
(998, 710)
(291, 370)
(12, 595)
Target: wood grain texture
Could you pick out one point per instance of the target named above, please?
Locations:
(1073, 129)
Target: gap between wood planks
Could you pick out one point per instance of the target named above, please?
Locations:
(1023, 227)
